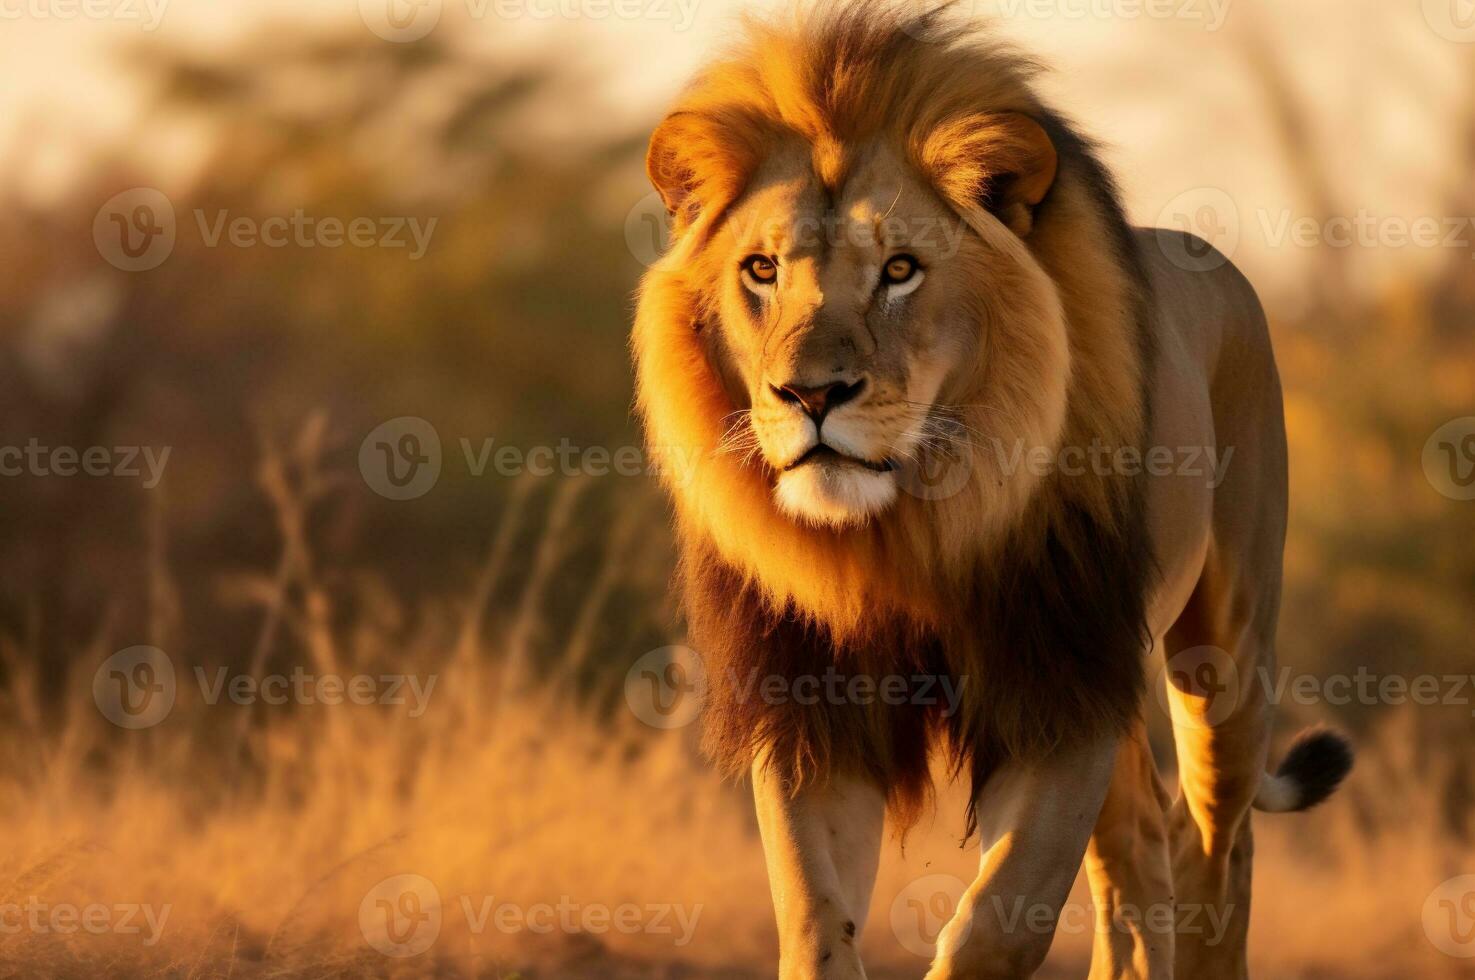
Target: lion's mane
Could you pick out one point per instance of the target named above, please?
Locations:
(1030, 595)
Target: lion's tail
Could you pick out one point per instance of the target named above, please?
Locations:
(1317, 763)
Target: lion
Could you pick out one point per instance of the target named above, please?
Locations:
(926, 364)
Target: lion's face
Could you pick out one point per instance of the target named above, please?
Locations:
(842, 321)
(856, 286)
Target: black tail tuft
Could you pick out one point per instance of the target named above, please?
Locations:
(1317, 763)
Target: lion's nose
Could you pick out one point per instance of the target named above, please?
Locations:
(817, 401)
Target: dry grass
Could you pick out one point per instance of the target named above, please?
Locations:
(526, 801)
(262, 833)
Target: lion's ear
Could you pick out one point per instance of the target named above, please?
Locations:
(1002, 161)
(700, 162)
(667, 166)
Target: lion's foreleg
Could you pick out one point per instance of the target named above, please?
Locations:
(1130, 872)
(821, 845)
(1033, 824)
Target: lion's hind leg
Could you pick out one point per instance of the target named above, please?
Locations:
(1221, 730)
(1128, 866)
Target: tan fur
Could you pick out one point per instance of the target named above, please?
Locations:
(820, 145)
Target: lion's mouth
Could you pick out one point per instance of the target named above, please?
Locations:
(823, 453)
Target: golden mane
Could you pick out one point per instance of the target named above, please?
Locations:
(1000, 583)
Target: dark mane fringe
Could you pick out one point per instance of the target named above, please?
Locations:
(743, 643)
(1046, 651)
(1058, 643)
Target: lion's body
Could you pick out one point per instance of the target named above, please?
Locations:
(1045, 327)
(1215, 388)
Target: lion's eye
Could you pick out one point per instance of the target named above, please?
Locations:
(761, 269)
(899, 269)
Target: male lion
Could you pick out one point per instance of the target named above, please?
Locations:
(888, 256)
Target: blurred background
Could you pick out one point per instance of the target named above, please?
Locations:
(313, 367)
